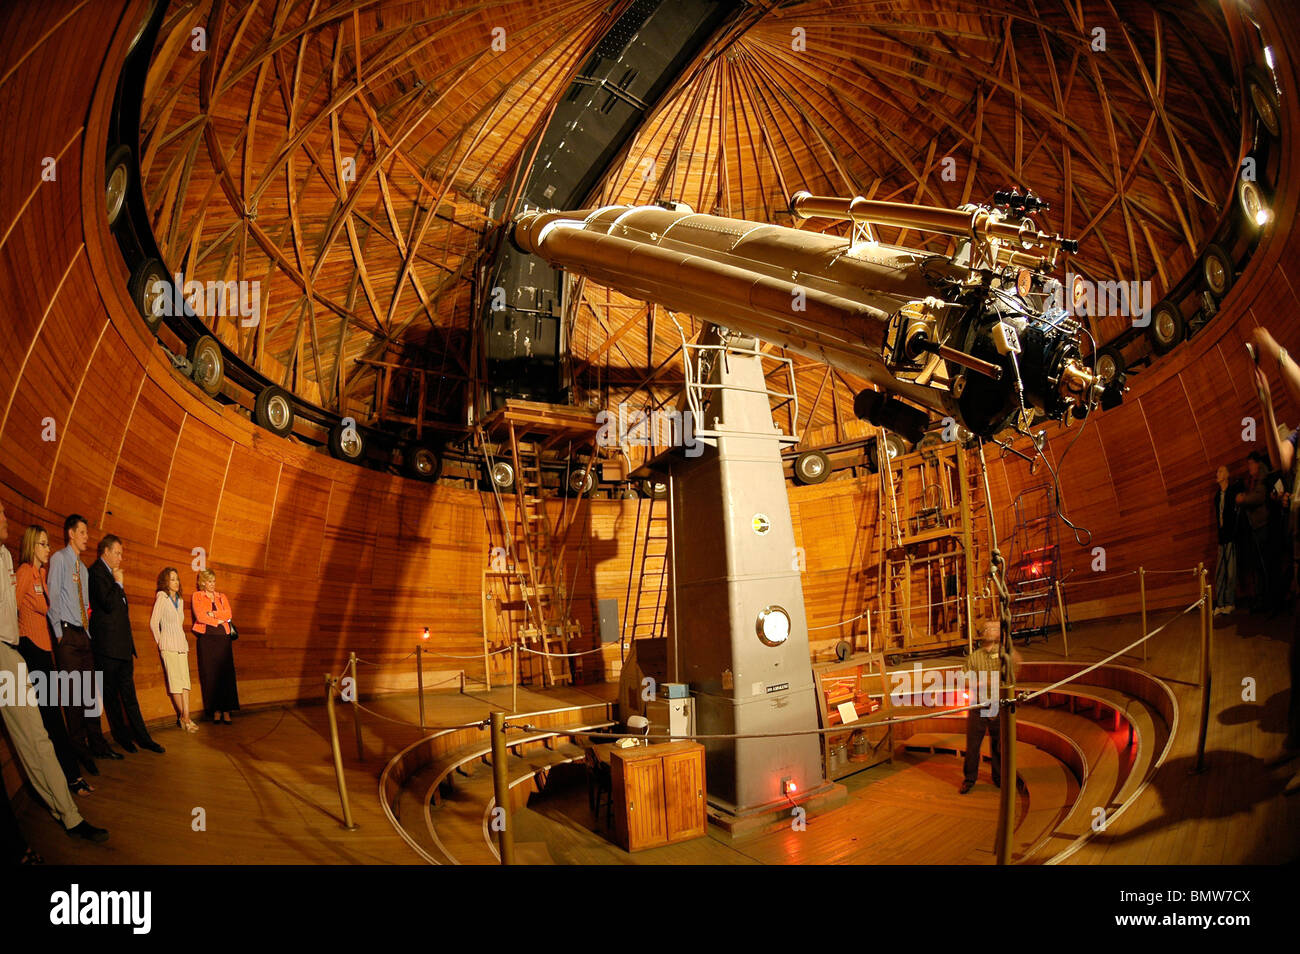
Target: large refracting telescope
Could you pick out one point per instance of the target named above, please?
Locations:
(982, 335)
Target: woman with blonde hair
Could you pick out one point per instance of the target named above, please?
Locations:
(37, 650)
(214, 632)
(168, 627)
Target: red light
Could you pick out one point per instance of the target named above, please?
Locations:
(426, 633)
(965, 697)
(1035, 568)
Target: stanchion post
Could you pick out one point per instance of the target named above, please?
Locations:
(501, 788)
(1207, 625)
(514, 686)
(1060, 607)
(337, 750)
(356, 705)
(1142, 583)
(1007, 801)
(419, 679)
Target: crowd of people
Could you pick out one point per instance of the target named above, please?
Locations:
(67, 651)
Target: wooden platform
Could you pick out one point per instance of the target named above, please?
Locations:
(266, 784)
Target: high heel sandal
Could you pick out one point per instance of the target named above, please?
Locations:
(79, 786)
(191, 726)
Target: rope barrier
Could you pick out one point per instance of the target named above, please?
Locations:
(585, 652)
(840, 623)
(955, 601)
(403, 659)
(422, 728)
(1100, 577)
(430, 652)
(1083, 672)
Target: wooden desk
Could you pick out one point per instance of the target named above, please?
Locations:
(659, 793)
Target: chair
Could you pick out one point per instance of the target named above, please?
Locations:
(599, 782)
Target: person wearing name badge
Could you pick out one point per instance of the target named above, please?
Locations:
(214, 632)
(168, 627)
(69, 593)
(38, 652)
(22, 718)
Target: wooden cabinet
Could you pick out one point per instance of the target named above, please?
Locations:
(658, 794)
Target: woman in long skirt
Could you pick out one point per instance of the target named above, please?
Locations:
(212, 632)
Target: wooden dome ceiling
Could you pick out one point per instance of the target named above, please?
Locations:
(344, 154)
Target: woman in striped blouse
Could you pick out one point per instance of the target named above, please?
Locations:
(168, 627)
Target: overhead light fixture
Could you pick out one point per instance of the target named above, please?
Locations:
(773, 625)
(1253, 203)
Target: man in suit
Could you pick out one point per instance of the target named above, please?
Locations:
(69, 618)
(110, 632)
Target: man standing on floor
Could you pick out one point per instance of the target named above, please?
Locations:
(70, 619)
(1225, 564)
(114, 648)
(22, 716)
(985, 665)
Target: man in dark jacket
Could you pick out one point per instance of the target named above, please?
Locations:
(110, 632)
(1253, 505)
(1225, 565)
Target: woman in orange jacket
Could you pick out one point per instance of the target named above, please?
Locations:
(212, 633)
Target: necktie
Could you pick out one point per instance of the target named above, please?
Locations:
(81, 600)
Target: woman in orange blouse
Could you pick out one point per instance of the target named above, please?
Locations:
(36, 649)
(212, 626)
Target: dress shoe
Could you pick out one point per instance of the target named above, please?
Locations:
(152, 746)
(89, 832)
(89, 765)
(110, 754)
(127, 747)
(966, 786)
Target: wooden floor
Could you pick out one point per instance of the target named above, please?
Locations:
(265, 786)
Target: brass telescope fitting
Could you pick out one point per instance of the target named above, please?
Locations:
(981, 223)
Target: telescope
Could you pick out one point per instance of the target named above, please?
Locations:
(982, 336)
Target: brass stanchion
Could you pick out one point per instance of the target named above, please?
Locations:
(501, 788)
(419, 679)
(1060, 606)
(1007, 808)
(338, 753)
(514, 687)
(1142, 583)
(356, 706)
(1207, 625)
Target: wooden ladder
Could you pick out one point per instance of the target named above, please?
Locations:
(543, 589)
(895, 588)
(646, 613)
